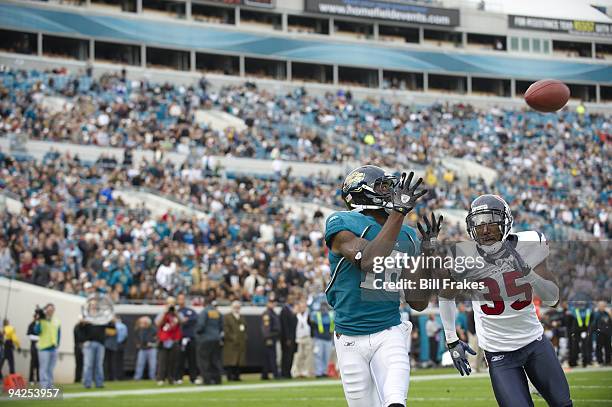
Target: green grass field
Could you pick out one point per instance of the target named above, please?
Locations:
(428, 388)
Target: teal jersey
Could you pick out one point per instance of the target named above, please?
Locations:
(360, 307)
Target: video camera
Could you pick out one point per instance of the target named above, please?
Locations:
(39, 313)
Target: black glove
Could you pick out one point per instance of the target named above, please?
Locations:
(406, 196)
(457, 351)
(429, 233)
(519, 264)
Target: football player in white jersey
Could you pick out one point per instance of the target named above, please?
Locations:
(511, 270)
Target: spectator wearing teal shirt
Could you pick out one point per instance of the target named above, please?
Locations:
(106, 272)
(189, 261)
(234, 230)
(260, 298)
(122, 274)
(162, 229)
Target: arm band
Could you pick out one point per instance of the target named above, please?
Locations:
(448, 311)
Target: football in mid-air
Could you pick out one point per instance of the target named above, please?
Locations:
(547, 95)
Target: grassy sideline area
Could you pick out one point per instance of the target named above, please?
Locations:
(246, 379)
(428, 388)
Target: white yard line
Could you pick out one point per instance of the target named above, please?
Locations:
(237, 387)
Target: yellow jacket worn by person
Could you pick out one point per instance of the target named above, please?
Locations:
(48, 333)
(11, 335)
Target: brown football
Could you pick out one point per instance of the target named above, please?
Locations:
(547, 95)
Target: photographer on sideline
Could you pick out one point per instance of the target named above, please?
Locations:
(49, 331)
(34, 368)
(169, 334)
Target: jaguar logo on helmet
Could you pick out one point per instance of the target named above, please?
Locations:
(368, 187)
(353, 179)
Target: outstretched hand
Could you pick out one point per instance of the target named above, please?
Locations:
(405, 196)
(429, 232)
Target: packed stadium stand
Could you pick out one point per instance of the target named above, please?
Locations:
(546, 187)
(552, 168)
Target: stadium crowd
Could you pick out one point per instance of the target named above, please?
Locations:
(75, 229)
(554, 167)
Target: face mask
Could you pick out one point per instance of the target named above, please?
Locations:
(491, 249)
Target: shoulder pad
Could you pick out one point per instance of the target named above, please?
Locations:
(533, 247)
(342, 215)
(531, 236)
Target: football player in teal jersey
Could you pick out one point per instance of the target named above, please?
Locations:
(370, 338)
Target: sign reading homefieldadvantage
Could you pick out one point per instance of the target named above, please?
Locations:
(386, 10)
(385, 267)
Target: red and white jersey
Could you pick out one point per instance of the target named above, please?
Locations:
(504, 313)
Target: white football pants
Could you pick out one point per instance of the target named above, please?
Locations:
(375, 369)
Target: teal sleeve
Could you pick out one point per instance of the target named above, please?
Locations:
(334, 224)
(414, 237)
